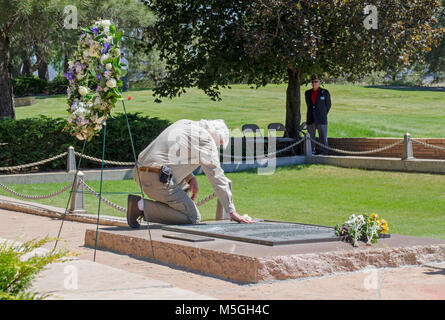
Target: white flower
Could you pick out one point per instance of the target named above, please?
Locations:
(92, 52)
(104, 57)
(79, 111)
(70, 64)
(85, 54)
(111, 83)
(97, 101)
(83, 91)
(105, 23)
(79, 76)
(118, 52)
(109, 66)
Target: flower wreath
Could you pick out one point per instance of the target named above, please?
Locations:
(94, 77)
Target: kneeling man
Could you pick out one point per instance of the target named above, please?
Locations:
(166, 173)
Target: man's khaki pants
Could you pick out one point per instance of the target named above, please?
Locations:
(172, 205)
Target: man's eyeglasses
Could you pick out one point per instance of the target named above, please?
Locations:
(315, 81)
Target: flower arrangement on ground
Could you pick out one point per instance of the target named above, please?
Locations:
(362, 227)
(94, 77)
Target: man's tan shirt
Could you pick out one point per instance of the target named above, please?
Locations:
(184, 146)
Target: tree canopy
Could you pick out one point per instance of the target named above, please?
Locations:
(210, 44)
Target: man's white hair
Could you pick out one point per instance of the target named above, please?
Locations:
(218, 129)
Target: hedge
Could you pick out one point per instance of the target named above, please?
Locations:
(34, 139)
(30, 86)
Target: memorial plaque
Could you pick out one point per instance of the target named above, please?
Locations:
(188, 237)
(265, 233)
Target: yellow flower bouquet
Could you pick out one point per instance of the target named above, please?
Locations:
(362, 227)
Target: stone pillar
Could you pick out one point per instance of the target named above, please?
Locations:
(307, 145)
(71, 160)
(407, 148)
(77, 196)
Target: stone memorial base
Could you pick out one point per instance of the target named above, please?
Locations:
(24, 101)
(250, 262)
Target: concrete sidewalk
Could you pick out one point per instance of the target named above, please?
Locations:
(120, 276)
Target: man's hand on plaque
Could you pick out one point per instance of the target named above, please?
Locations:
(240, 219)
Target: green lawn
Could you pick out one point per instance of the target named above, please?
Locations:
(413, 204)
(357, 111)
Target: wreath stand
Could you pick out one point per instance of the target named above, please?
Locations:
(101, 181)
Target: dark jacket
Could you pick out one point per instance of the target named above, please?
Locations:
(318, 112)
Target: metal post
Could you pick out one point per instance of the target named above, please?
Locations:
(307, 145)
(221, 213)
(71, 160)
(77, 198)
(407, 147)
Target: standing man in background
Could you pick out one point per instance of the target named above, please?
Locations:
(318, 103)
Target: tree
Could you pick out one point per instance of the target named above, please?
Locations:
(37, 30)
(436, 58)
(212, 43)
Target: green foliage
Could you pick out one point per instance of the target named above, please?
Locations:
(18, 267)
(209, 44)
(29, 86)
(34, 139)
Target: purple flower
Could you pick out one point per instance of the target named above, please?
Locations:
(98, 77)
(74, 105)
(98, 89)
(69, 75)
(107, 48)
(95, 30)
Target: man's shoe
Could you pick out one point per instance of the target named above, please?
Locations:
(133, 212)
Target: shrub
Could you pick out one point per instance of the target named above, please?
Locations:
(31, 86)
(25, 86)
(17, 271)
(34, 139)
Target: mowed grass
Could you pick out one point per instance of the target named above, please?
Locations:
(357, 111)
(413, 204)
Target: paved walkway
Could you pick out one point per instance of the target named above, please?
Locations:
(118, 276)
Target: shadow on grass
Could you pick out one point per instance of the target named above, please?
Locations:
(408, 88)
(54, 96)
(291, 167)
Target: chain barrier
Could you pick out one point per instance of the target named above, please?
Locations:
(104, 200)
(24, 196)
(357, 152)
(428, 145)
(34, 163)
(265, 156)
(116, 163)
(206, 199)
(119, 163)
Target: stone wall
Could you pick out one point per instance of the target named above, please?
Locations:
(364, 144)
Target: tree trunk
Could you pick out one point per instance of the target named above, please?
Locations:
(27, 65)
(43, 70)
(6, 94)
(293, 102)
